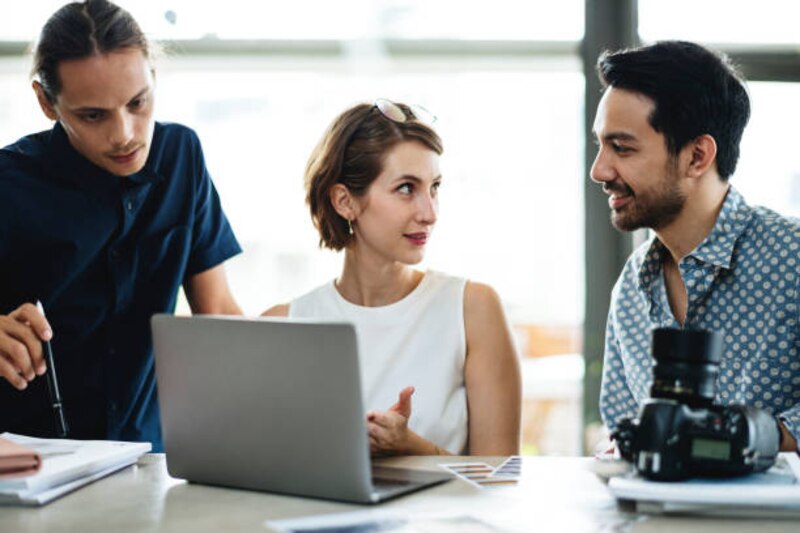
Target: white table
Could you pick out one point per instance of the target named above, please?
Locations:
(554, 494)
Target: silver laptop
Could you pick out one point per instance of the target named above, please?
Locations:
(272, 405)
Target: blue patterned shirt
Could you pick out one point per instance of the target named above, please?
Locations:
(743, 281)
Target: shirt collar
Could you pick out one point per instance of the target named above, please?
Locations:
(66, 163)
(718, 246)
(716, 249)
(649, 265)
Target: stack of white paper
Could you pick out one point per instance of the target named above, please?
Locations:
(775, 491)
(66, 465)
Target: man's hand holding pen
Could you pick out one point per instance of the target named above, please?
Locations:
(52, 385)
(21, 353)
(25, 353)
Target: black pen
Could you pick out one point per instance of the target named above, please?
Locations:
(52, 384)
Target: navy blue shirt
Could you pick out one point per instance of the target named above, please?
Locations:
(103, 253)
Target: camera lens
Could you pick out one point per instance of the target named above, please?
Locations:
(687, 365)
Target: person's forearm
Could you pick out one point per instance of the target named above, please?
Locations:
(788, 422)
(222, 306)
(502, 443)
(788, 442)
(230, 307)
(208, 293)
(416, 445)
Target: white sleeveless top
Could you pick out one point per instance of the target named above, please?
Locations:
(419, 341)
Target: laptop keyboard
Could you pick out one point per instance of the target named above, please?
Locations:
(388, 482)
(383, 485)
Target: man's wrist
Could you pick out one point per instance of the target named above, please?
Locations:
(787, 442)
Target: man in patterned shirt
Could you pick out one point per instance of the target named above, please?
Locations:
(668, 127)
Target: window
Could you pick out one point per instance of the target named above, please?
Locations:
(768, 174)
(501, 20)
(741, 22)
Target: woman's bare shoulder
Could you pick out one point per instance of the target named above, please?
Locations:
(479, 295)
(277, 310)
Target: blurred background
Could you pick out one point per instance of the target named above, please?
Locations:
(513, 87)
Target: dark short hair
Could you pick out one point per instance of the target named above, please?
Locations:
(79, 30)
(696, 91)
(352, 152)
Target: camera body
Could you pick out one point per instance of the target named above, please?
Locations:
(673, 441)
(680, 433)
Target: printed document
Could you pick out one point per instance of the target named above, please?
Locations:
(66, 465)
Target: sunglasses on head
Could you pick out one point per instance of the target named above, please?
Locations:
(396, 113)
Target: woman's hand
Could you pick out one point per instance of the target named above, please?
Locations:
(388, 430)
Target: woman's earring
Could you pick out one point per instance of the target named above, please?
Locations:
(349, 226)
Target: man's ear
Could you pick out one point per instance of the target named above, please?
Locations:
(44, 102)
(343, 202)
(702, 155)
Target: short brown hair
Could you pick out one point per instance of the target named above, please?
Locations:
(352, 152)
(83, 29)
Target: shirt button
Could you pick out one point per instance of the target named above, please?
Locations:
(130, 205)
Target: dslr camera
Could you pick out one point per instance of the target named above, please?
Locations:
(680, 433)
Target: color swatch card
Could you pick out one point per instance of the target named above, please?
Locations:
(511, 468)
(485, 475)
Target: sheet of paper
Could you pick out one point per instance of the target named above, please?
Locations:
(380, 521)
(34, 498)
(66, 465)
